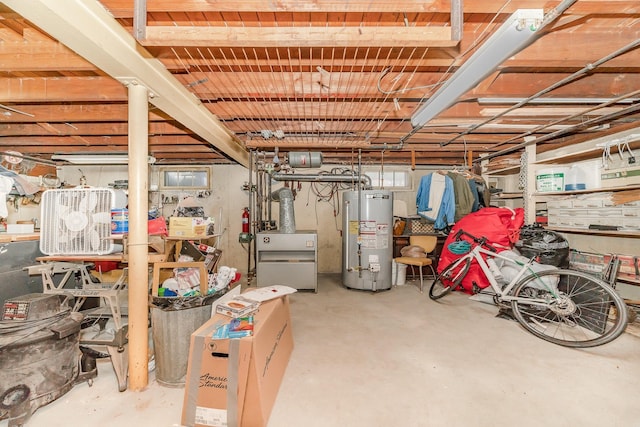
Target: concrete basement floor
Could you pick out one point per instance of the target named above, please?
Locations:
(396, 358)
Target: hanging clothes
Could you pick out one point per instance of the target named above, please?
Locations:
(484, 193)
(21, 185)
(435, 200)
(6, 184)
(462, 193)
(476, 196)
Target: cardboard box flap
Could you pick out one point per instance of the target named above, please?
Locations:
(216, 397)
(271, 349)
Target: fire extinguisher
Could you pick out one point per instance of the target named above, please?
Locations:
(245, 220)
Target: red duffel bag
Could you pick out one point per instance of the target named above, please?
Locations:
(501, 227)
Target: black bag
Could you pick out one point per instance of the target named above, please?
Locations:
(546, 246)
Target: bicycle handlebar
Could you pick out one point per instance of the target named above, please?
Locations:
(482, 241)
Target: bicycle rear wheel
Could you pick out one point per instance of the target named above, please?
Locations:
(449, 278)
(573, 309)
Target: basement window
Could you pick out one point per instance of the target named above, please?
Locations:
(390, 179)
(179, 178)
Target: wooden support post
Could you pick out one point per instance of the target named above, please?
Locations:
(138, 237)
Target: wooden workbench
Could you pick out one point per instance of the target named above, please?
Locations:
(81, 258)
(18, 237)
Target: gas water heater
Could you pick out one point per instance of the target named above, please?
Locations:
(367, 239)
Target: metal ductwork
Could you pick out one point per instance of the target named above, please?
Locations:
(363, 179)
(287, 218)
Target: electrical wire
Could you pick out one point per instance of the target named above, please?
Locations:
(403, 90)
(473, 45)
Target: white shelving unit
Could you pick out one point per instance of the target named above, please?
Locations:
(505, 178)
(622, 242)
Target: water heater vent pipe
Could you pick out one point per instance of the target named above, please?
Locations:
(287, 219)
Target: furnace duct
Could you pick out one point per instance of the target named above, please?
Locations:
(287, 220)
(320, 177)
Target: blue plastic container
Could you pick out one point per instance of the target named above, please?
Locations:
(119, 221)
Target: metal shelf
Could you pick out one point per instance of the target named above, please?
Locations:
(509, 195)
(588, 191)
(612, 233)
(508, 170)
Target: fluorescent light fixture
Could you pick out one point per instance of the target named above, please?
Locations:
(513, 101)
(97, 159)
(518, 32)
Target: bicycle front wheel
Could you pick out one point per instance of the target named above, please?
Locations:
(569, 308)
(449, 278)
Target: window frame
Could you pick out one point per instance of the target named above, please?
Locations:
(163, 170)
(378, 175)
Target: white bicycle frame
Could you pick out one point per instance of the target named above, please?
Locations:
(503, 292)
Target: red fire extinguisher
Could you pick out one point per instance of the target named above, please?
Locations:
(245, 220)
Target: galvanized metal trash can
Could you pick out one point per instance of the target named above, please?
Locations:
(171, 333)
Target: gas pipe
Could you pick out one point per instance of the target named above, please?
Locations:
(245, 220)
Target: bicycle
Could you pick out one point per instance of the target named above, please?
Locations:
(562, 306)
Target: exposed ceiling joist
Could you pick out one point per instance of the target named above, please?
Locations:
(329, 90)
(88, 29)
(298, 36)
(124, 8)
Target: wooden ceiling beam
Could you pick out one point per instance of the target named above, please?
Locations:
(328, 146)
(86, 129)
(89, 29)
(598, 85)
(163, 150)
(451, 124)
(44, 61)
(352, 113)
(318, 126)
(124, 8)
(26, 54)
(336, 86)
(189, 63)
(585, 43)
(255, 85)
(556, 49)
(71, 113)
(196, 155)
(9, 36)
(374, 138)
(348, 111)
(302, 85)
(33, 51)
(421, 156)
(99, 141)
(65, 89)
(320, 36)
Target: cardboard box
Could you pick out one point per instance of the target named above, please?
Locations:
(190, 249)
(234, 382)
(187, 226)
(237, 307)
